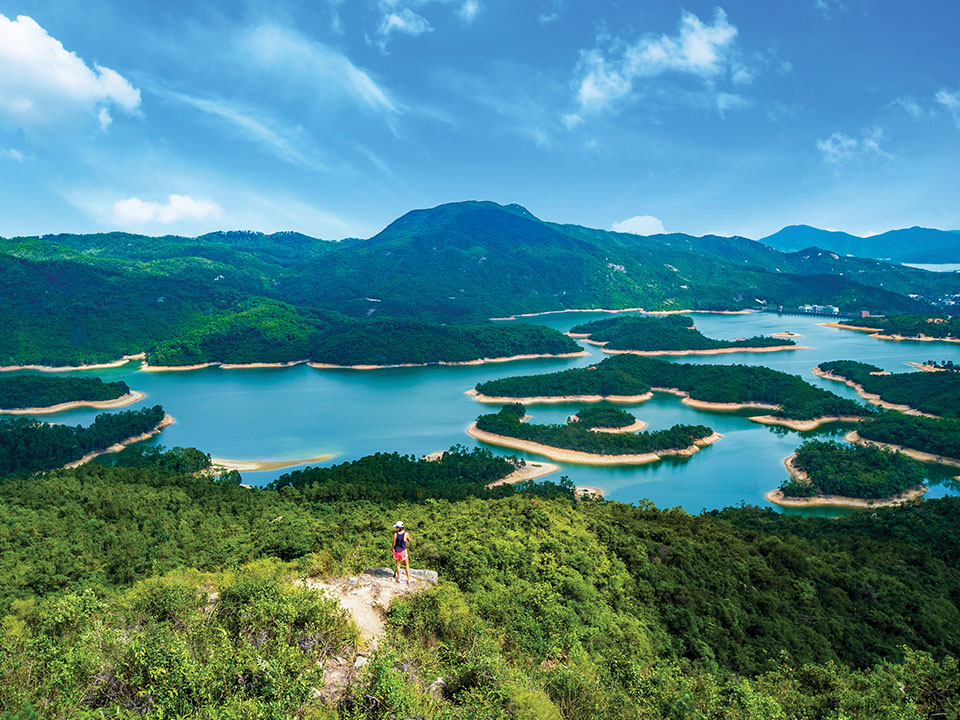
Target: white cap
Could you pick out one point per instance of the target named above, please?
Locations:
(398, 523)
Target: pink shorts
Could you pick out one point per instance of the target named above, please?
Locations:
(400, 556)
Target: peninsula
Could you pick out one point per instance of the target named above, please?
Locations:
(43, 394)
(921, 328)
(934, 394)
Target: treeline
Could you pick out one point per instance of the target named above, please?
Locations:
(629, 375)
(547, 608)
(274, 332)
(578, 436)
(389, 477)
(936, 393)
(36, 391)
(931, 326)
(939, 436)
(605, 417)
(852, 471)
(28, 446)
(673, 332)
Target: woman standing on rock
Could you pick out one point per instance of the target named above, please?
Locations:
(400, 538)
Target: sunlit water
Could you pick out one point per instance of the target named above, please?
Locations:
(300, 412)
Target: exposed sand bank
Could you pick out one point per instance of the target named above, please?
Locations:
(804, 425)
(584, 492)
(478, 361)
(245, 366)
(786, 334)
(845, 326)
(146, 367)
(575, 456)
(879, 334)
(925, 368)
(622, 310)
(707, 405)
(714, 351)
(257, 465)
(167, 420)
(530, 471)
(122, 401)
(635, 426)
(777, 497)
(854, 437)
(70, 368)
(547, 399)
(868, 396)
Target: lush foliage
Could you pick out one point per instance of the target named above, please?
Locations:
(936, 393)
(914, 326)
(629, 375)
(852, 471)
(36, 391)
(605, 417)
(673, 332)
(29, 446)
(939, 436)
(579, 437)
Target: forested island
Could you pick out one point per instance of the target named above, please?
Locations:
(670, 335)
(933, 393)
(827, 468)
(28, 446)
(576, 442)
(909, 327)
(706, 386)
(938, 439)
(605, 418)
(39, 393)
(546, 608)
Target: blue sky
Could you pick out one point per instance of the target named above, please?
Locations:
(333, 117)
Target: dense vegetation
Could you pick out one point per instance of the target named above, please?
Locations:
(28, 446)
(673, 332)
(911, 326)
(939, 436)
(852, 471)
(936, 393)
(36, 391)
(73, 299)
(546, 608)
(605, 417)
(629, 375)
(578, 436)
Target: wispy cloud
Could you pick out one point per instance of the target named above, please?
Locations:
(550, 12)
(950, 101)
(469, 11)
(842, 148)
(134, 211)
(911, 106)
(282, 142)
(41, 82)
(11, 154)
(640, 225)
(403, 21)
(705, 51)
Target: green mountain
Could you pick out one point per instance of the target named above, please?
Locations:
(911, 245)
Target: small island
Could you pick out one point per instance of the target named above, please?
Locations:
(576, 443)
(921, 328)
(935, 394)
(631, 379)
(43, 394)
(608, 419)
(28, 446)
(830, 473)
(670, 335)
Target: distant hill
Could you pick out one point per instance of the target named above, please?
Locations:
(909, 245)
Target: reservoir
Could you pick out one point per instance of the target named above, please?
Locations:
(302, 412)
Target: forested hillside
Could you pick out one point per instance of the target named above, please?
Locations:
(37, 391)
(140, 591)
(936, 393)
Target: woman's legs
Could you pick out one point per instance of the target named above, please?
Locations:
(397, 578)
(406, 561)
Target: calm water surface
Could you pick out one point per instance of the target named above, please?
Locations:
(300, 412)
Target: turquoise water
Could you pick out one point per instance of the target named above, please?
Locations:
(300, 412)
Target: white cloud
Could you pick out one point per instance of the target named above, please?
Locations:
(104, 118)
(134, 211)
(705, 51)
(11, 154)
(41, 82)
(550, 12)
(404, 21)
(469, 10)
(911, 106)
(322, 68)
(639, 225)
(951, 101)
(571, 120)
(842, 148)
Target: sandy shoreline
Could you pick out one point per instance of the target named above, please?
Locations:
(804, 425)
(786, 334)
(925, 368)
(872, 398)
(478, 361)
(878, 334)
(845, 326)
(575, 456)
(117, 447)
(70, 368)
(145, 367)
(714, 351)
(707, 405)
(551, 399)
(854, 437)
(777, 497)
(530, 471)
(257, 465)
(585, 492)
(122, 401)
(622, 310)
(247, 366)
(635, 426)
